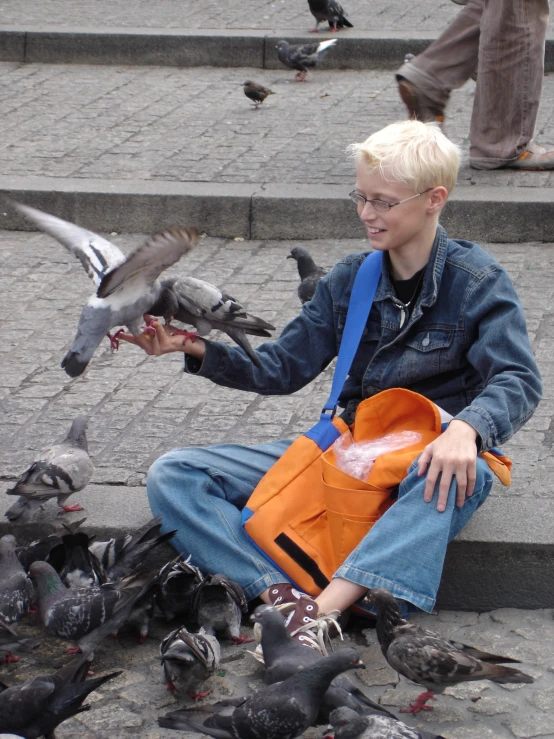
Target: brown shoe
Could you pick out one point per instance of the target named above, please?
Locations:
(534, 159)
(419, 105)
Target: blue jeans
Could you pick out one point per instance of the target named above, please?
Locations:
(200, 491)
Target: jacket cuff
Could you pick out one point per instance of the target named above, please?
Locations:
(213, 363)
(482, 422)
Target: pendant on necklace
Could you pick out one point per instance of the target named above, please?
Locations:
(402, 317)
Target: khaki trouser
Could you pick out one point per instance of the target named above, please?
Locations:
(503, 41)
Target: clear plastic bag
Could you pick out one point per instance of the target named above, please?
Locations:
(357, 458)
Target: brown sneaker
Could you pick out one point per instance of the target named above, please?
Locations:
(535, 158)
(419, 105)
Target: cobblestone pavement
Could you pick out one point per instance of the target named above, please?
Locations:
(366, 15)
(155, 123)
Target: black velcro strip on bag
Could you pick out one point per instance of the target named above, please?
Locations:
(302, 560)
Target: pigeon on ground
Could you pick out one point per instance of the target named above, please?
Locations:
(58, 472)
(330, 11)
(188, 660)
(11, 643)
(205, 306)
(75, 564)
(179, 581)
(310, 273)
(126, 286)
(280, 711)
(122, 555)
(347, 724)
(284, 656)
(255, 92)
(218, 606)
(37, 707)
(41, 548)
(16, 589)
(301, 57)
(431, 660)
(87, 615)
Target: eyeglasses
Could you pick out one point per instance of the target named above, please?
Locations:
(381, 206)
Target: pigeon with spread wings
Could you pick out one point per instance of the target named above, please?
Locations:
(127, 287)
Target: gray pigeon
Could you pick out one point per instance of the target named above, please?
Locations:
(41, 548)
(280, 711)
(218, 606)
(188, 660)
(87, 615)
(126, 286)
(179, 581)
(58, 472)
(11, 643)
(284, 656)
(347, 724)
(330, 11)
(309, 272)
(302, 57)
(35, 708)
(431, 660)
(205, 306)
(16, 589)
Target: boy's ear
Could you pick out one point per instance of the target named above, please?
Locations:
(437, 198)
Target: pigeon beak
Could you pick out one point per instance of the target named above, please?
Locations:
(360, 665)
(289, 256)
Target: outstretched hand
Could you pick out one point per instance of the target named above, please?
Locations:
(452, 454)
(165, 340)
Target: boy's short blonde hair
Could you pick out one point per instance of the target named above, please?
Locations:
(416, 153)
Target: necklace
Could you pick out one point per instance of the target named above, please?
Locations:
(403, 307)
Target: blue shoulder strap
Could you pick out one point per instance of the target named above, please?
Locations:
(361, 300)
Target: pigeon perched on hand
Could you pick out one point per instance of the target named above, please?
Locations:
(218, 606)
(126, 286)
(58, 472)
(310, 273)
(255, 92)
(10, 642)
(347, 724)
(431, 660)
(179, 581)
(188, 660)
(16, 589)
(35, 708)
(205, 306)
(303, 56)
(280, 711)
(330, 11)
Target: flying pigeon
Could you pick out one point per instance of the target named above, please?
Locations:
(126, 286)
(59, 471)
(218, 606)
(10, 642)
(280, 711)
(347, 724)
(330, 11)
(205, 306)
(37, 707)
(255, 92)
(188, 660)
(179, 581)
(310, 273)
(431, 660)
(87, 615)
(75, 564)
(121, 556)
(16, 589)
(41, 548)
(301, 57)
(283, 656)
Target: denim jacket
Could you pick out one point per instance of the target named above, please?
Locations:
(465, 345)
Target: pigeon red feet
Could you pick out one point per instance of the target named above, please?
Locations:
(197, 696)
(73, 650)
(420, 702)
(33, 610)
(313, 30)
(9, 659)
(301, 76)
(70, 509)
(171, 687)
(242, 639)
(114, 341)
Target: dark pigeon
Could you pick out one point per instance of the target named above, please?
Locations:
(188, 660)
(347, 724)
(218, 606)
(126, 286)
(122, 555)
(207, 308)
(280, 711)
(37, 707)
(179, 581)
(255, 92)
(310, 273)
(75, 564)
(11, 644)
(330, 11)
(431, 660)
(87, 615)
(284, 656)
(58, 472)
(302, 57)
(41, 548)
(16, 589)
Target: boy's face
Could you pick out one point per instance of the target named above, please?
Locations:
(405, 225)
